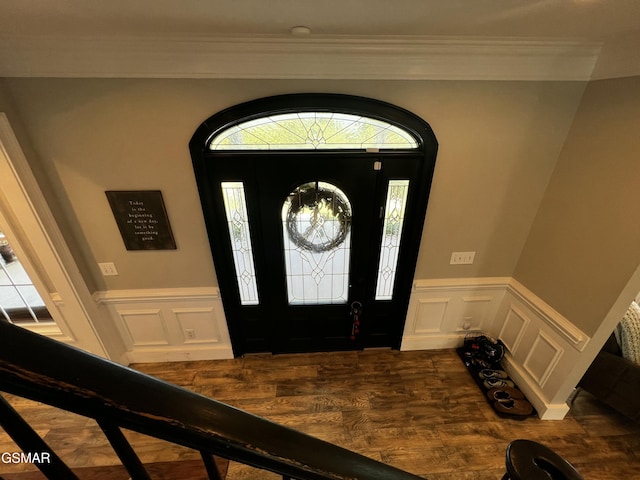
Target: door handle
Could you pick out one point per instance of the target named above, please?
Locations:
(356, 310)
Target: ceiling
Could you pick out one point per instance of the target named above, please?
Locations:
(592, 19)
(567, 39)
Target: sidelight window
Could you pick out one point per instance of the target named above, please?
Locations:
(235, 207)
(391, 235)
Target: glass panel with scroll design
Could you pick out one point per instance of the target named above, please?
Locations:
(391, 232)
(316, 226)
(313, 131)
(235, 207)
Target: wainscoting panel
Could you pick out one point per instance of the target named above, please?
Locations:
(430, 315)
(542, 346)
(144, 327)
(542, 349)
(476, 311)
(441, 312)
(542, 358)
(513, 328)
(169, 324)
(196, 325)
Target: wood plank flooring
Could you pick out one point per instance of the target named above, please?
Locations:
(419, 411)
(178, 470)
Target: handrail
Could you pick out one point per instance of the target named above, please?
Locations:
(44, 370)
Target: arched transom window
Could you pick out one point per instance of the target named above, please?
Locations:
(313, 131)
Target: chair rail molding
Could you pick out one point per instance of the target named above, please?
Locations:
(169, 324)
(564, 327)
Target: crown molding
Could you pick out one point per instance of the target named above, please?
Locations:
(285, 57)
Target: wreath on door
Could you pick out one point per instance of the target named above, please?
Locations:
(318, 217)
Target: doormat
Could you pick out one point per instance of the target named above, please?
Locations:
(482, 356)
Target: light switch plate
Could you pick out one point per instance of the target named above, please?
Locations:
(462, 258)
(108, 269)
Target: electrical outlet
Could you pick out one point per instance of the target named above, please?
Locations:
(462, 258)
(466, 324)
(108, 269)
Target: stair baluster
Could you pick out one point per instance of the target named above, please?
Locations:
(210, 466)
(29, 441)
(123, 449)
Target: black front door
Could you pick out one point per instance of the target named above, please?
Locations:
(332, 239)
(318, 216)
(314, 243)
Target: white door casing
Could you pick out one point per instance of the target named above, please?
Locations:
(34, 235)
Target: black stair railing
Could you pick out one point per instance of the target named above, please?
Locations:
(44, 370)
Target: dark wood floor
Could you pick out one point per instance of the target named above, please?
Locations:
(419, 411)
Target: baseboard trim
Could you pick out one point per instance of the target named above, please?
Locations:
(177, 354)
(433, 342)
(546, 410)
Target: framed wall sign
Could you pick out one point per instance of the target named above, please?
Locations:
(142, 219)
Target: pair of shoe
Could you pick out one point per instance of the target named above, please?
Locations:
(490, 383)
(491, 373)
(510, 401)
(489, 349)
(495, 378)
(478, 363)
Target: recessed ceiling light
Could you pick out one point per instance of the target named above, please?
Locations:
(301, 30)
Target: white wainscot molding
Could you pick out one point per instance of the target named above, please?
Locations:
(442, 311)
(167, 325)
(542, 349)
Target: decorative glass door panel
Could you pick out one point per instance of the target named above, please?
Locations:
(313, 131)
(316, 229)
(394, 212)
(316, 222)
(235, 207)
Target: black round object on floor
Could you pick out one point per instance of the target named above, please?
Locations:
(528, 460)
